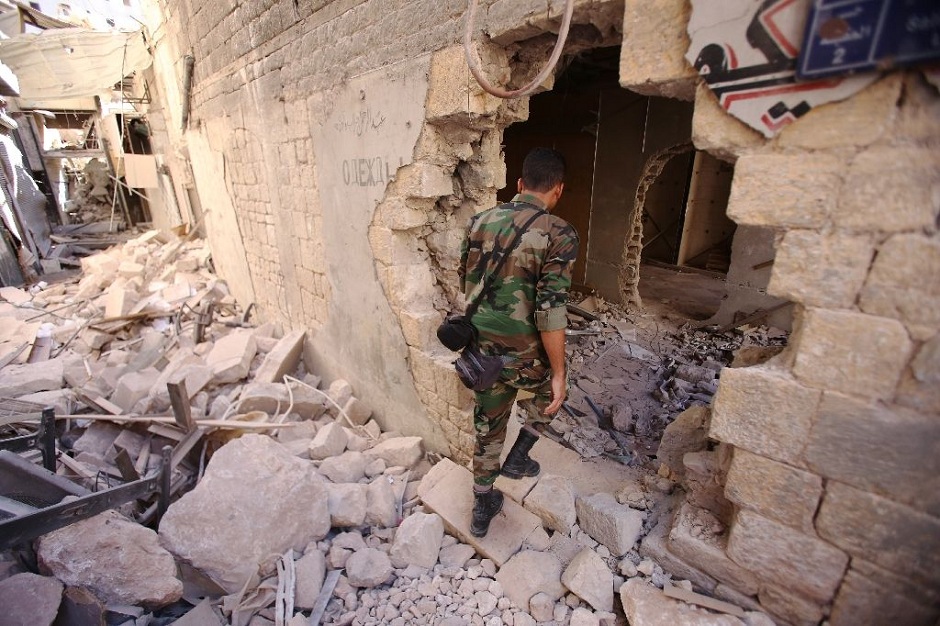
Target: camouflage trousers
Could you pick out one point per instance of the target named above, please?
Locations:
(494, 406)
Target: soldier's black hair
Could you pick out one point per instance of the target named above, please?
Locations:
(542, 169)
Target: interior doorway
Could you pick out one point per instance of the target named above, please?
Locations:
(616, 194)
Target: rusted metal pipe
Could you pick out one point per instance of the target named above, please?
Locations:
(189, 61)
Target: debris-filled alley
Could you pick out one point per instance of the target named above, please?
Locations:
(230, 232)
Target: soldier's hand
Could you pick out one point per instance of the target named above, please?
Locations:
(559, 391)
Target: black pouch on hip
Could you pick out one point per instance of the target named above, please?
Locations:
(477, 371)
(456, 332)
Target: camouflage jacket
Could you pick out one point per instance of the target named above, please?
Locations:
(531, 291)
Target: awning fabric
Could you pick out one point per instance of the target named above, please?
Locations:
(73, 62)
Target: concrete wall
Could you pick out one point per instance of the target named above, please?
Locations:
(338, 152)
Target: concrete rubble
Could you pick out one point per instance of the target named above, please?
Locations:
(283, 483)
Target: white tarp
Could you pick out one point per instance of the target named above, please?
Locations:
(73, 62)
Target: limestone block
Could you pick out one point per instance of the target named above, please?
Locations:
(589, 578)
(824, 270)
(654, 546)
(647, 605)
(896, 286)
(456, 555)
(857, 121)
(402, 451)
(654, 63)
(348, 467)
(687, 433)
(80, 606)
(309, 572)
(329, 441)
(119, 301)
(790, 607)
(718, 132)
(892, 535)
(309, 404)
(129, 269)
(552, 499)
(230, 357)
(888, 450)
(691, 541)
(902, 182)
(30, 600)
(19, 380)
(418, 541)
(283, 359)
(98, 438)
(785, 557)
(607, 521)
(119, 560)
(763, 411)
(542, 607)
(448, 85)
(528, 573)
(357, 411)
(133, 387)
(368, 568)
(869, 595)
(347, 502)
(919, 115)
(775, 490)
(851, 353)
(785, 190)
(920, 383)
(381, 504)
(267, 397)
(245, 484)
(340, 391)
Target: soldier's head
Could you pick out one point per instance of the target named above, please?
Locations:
(543, 175)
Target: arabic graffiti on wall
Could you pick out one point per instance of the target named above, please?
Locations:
(747, 53)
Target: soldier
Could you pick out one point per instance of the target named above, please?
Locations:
(523, 318)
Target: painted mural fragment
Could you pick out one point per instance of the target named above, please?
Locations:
(747, 52)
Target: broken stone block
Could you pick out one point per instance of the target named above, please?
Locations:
(309, 404)
(80, 607)
(245, 484)
(133, 387)
(564, 548)
(357, 411)
(583, 617)
(340, 391)
(542, 607)
(368, 568)
(329, 441)
(381, 504)
(119, 301)
(355, 442)
(202, 615)
(267, 397)
(97, 438)
(456, 555)
(589, 578)
(309, 572)
(61, 400)
(552, 499)
(121, 561)
(283, 359)
(347, 504)
(687, 433)
(29, 599)
(616, 526)
(348, 467)
(401, 451)
(230, 357)
(647, 605)
(528, 573)
(375, 467)
(418, 541)
(19, 380)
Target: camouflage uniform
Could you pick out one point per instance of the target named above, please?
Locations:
(527, 297)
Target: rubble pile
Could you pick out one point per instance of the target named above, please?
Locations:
(290, 505)
(633, 373)
(92, 197)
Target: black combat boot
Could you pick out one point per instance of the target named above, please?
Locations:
(518, 463)
(485, 507)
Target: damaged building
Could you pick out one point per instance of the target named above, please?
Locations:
(754, 350)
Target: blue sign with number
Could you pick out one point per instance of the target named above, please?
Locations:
(847, 36)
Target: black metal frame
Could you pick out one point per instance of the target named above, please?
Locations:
(43, 439)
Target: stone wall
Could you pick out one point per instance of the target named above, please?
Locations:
(836, 463)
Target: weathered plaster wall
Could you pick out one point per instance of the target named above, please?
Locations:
(835, 462)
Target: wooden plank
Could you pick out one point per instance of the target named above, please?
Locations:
(182, 411)
(187, 444)
(76, 466)
(143, 459)
(125, 465)
(169, 432)
(678, 593)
